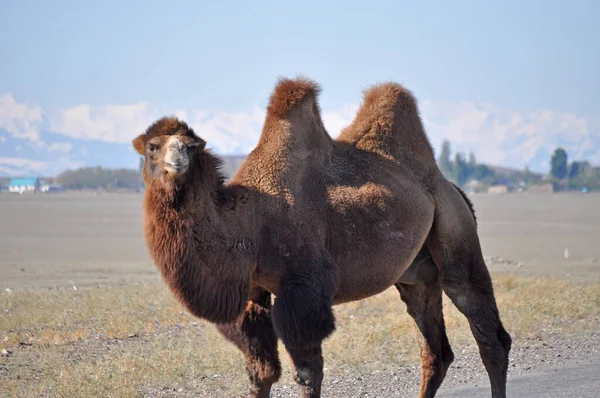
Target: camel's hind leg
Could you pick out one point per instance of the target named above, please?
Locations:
(424, 303)
(455, 248)
(253, 334)
(473, 296)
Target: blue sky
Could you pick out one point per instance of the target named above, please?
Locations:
(522, 65)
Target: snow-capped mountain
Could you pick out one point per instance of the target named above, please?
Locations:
(56, 153)
(512, 139)
(33, 142)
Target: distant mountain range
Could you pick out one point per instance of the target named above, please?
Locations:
(55, 153)
(37, 141)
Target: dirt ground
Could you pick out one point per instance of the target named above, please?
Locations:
(115, 340)
(86, 239)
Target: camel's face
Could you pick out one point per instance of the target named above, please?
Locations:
(167, 154)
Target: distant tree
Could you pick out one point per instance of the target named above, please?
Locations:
(444, 160)
(461, 169)
(471, 166)
(582, 175)
(472, 161)
(99, 178)
(527, 175)
(558, 164)
(576, 169)
(484, 174)
(585, 168)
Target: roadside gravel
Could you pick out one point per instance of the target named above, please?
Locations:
(467, 370)
(527, 356)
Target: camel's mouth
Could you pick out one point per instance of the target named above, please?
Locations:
(175, 167)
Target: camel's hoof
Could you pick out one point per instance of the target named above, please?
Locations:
(304, 376)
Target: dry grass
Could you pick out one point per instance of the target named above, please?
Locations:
(121, 341)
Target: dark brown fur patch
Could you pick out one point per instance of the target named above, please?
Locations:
(302, 314)
(253, 334)
(168, 126)
(196, 259)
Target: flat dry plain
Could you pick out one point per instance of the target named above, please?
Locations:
(55, 240)
(83, 312)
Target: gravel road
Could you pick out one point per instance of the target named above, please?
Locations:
(581, 380)
(549, 367)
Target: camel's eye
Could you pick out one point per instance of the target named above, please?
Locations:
(152, 148)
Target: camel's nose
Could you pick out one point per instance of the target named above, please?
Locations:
(175, 163)
(176, 157)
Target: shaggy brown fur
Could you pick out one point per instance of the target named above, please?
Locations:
(317, 222)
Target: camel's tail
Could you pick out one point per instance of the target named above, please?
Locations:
(388, 123)
(467, 200)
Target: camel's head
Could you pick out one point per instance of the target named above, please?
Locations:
(169, 147)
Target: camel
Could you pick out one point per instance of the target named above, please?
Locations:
(316, 222)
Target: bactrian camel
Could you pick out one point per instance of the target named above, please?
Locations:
(315, 222)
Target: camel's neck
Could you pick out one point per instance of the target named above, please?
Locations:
(203, 253)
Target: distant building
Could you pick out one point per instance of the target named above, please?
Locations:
(541, 188)
(498, 189)
(505, 181)
(22, 185)
(474, 186)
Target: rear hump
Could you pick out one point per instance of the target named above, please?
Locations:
(388, 123)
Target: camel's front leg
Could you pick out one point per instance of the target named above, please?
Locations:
(307, 369)
(253, 334)
(303, 318)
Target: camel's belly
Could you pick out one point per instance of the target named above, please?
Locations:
(375, 239)
(363, 286)
(368, 267)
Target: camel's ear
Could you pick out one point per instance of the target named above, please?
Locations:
(199, 144)
(138, 144)
(194, 142)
